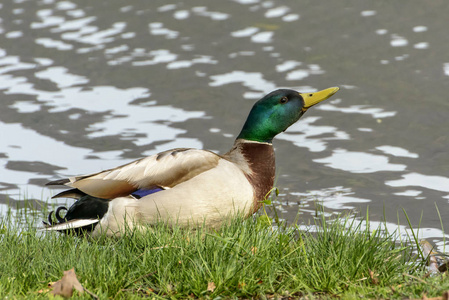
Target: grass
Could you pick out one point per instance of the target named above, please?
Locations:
(244, 259)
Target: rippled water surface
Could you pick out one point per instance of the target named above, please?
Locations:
(89, 85)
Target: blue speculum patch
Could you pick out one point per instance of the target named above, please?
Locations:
(145, 192)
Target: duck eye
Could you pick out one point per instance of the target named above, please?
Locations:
(283, 100)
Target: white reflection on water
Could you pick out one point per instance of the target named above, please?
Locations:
(422, 45)
(14, 34)
(162, 8)
(287, 65)
(252, 80)
(299, 74)
(181, 14)
(333, 198)
(377, 113)
(248, 31)
(409, 193)
(368, 13)
(51, 43)
(128, 35)
(12, 63)
(109, 99)
(420, 28)
(76, 13)
(115, 50)
(76, 24)
(260, 86)
(61, 76)
(446, 69)
(140, 119)
(43, 61)
(438, 183)
(25, 106)
(158, 56)
(397, 151)
(213, 15)
(359, 162)
(365, 129)
(247, 1)
(47, 20)
(398, 41)
(277, 12)
(102, 37)
(263, 37)
(77, 30)
(26, 145)
(241, 53)
(290, 18)
(305, 134)
(65, 5)
(158, 29)
(401, 57)
(188, 63)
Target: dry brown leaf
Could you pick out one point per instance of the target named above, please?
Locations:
(241, 285)
(43, 291)
(162, 247)
(394, 288)
(211, 287)
(374, 279)
(414, 277)
(430, 254)
(254, 250)
(170, 287)
(64, 287)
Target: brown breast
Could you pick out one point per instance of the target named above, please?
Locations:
(261, 161)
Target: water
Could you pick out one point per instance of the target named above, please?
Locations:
(91, 85)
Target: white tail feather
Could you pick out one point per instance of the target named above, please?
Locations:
(71, 224)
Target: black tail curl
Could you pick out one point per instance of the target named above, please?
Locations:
(59, 219)
(86, 207)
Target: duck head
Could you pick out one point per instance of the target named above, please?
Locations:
(277, 111)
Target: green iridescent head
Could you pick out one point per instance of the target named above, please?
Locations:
(277, 111)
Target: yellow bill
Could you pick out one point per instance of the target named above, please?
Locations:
(310, 99)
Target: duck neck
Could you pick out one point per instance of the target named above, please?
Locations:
(258, 163)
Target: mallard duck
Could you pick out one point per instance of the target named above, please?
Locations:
(186, 186)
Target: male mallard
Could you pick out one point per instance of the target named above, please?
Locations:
(187, 186)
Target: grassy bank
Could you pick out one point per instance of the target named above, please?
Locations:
(244, 259)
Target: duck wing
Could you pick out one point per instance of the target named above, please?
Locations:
(165, 169)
